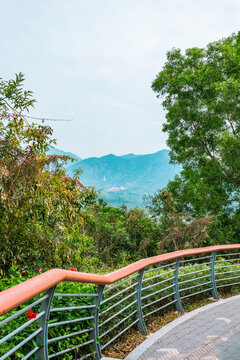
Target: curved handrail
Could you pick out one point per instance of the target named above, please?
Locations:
(18, 294)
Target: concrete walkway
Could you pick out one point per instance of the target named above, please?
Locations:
(209, 333)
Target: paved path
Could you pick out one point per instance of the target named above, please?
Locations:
(209, 333)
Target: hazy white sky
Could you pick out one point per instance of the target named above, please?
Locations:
(94, 60)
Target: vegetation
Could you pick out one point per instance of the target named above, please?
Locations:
(39, 208)
(200, 93)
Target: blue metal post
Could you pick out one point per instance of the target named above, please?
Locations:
(176, 287)
(94, 335)
(215, 294)
(138, 289)
(42, 338)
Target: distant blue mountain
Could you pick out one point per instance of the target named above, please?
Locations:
(129, 156)
(124, 179)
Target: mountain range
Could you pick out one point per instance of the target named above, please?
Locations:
(124, 179)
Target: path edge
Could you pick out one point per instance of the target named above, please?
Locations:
(146, 344)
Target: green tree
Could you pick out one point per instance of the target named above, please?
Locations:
(120, 235)
(38, 207)
(200, 93)
(178, 230)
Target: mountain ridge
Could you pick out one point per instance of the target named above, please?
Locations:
(126, 178)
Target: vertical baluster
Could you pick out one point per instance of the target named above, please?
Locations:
(176, 287)
(42, 338)
(215, 294)
(138, 297)
(94, 335)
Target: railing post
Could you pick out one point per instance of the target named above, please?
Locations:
(94, 335)
(138, 297)
(42, 338)
(176, 287)
(215, 294)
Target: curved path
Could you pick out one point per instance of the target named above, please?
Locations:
(209, 333)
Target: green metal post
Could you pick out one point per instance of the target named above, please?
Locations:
(138, 297)
(176, 287)
(94, 335)
(215, 294)
(42, 338)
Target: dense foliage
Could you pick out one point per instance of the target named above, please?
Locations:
(39, 207)
(200, 91)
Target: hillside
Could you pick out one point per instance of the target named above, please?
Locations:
(125, 179)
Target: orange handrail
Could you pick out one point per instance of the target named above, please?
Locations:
(18, 294)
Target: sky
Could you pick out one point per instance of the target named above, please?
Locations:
(93, 61)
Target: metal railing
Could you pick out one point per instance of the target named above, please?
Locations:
(41, 319)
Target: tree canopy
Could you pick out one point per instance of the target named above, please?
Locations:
(200, 91)
(38, 206)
